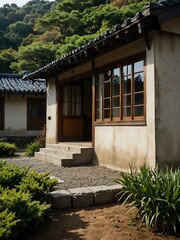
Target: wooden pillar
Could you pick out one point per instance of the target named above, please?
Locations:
(93, 101)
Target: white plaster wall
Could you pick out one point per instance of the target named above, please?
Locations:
(118, 147)
(167, 59)
(120, 53)
(51, 112)
(15, 111)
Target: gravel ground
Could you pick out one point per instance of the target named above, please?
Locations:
(73, 177)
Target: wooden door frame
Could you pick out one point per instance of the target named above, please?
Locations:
(59, 104)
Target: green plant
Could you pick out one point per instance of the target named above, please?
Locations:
(7, 149)
(11, 174)
(39, 185)
(21, 204)
(23, 198)
(156, 194)
(32, 148)
(38, 143)
(7, 223)
(42, 138)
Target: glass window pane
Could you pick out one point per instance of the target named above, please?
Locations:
(139, 66)
(98, 91)
(127, 100)
(139, 111)
(115, 112)
(99, 114)
(126, 70)
(101, 78)
(116, 82)
(78, 99)
(78, 90)
(99, 104)
(139, 82)
(107, 76)
(107, 103)
(126, 85)
(78, 109)
(115, 102)
(126, 111)
(139, 98)
(107, 89)
(107, 113)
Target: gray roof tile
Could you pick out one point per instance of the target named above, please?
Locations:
(13, 83)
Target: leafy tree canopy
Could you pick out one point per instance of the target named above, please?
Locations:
(40, 31)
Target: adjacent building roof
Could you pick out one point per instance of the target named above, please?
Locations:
(130, 30)
(13, 83)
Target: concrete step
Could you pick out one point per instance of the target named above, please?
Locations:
(64, 147)
(57, 153)
(66, 155)
(54, 160)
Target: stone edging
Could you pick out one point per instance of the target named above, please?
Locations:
(84, 197)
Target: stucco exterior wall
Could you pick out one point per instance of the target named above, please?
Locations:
(167, 60)
(15, 111)
(51, 112)
(120, 53)
(70, 74)
(118, 147)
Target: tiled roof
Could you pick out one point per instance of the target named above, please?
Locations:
(13, 83)
(131, 29)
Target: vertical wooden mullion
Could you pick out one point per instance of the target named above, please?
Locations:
(57, 109)
(93, 102)
(103, 97)
(75, 94)
(70, 92)
(111, 80)
(120, 92)
(132, 91)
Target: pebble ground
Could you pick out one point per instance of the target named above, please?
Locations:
(73, 177)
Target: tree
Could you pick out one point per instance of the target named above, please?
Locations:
(7, 56)
(33, 56)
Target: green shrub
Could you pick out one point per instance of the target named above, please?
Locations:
(7, 149)
(23, 198)
(7, 223)
(21, 204)
(156, 194)
(38, 184)
(32, 148)
(11, 175)
(38, 143)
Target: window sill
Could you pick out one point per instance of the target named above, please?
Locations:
(121, 123)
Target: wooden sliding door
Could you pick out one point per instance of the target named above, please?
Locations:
(71, 112)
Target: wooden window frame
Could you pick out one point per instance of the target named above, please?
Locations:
(70, 101)
(35, 123)
(2, 116)
(122, 120)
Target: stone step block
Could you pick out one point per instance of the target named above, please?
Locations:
(47, 158)
(64, 147)
(81, 197)
(57, 153)
(116, 189)
(61, 199)
(102, 195)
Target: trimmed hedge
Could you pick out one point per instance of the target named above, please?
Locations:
(7, 149)
(23, 199)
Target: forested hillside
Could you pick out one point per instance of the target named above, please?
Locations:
(41, 31)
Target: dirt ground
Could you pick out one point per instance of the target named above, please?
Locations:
(108, 222)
